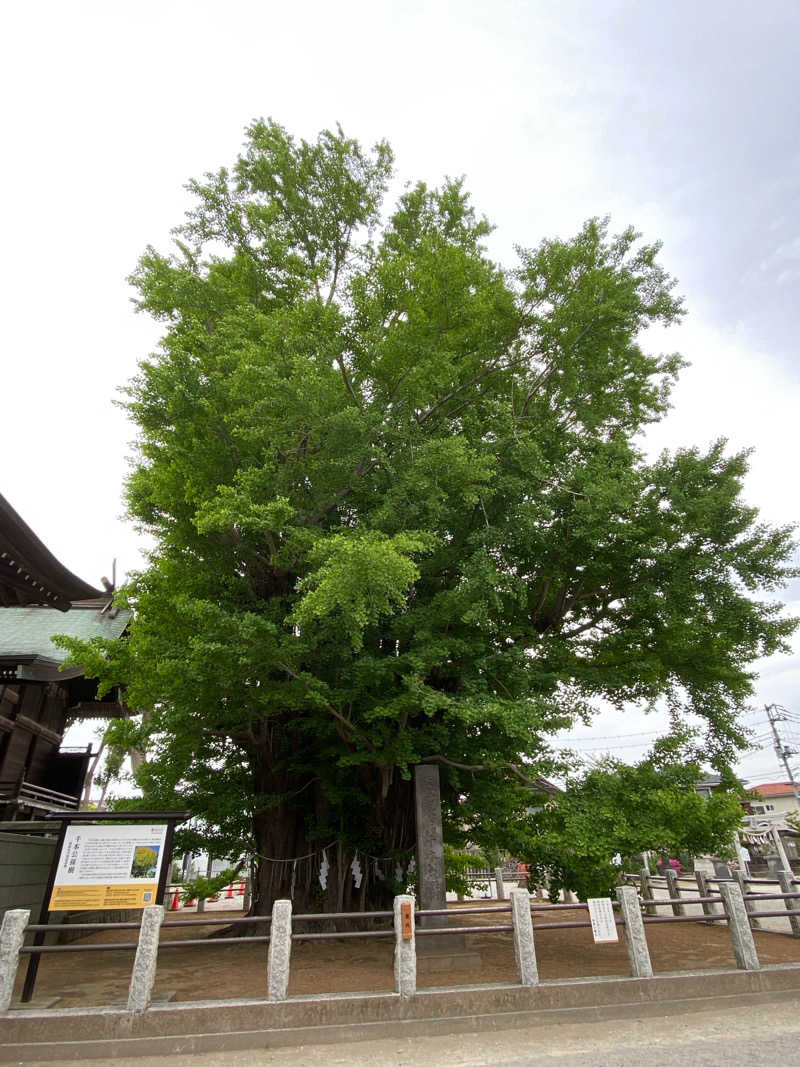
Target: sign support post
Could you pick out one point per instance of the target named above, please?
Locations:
(44, 918)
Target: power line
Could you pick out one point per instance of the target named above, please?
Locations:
(613, 737)
(604, 748)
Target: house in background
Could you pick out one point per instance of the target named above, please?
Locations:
(39, 597)
(708, 784)
(775, 798)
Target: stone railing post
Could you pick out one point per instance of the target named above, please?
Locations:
(647, 891)
(744, 948)
(524, 949)
(749, 905)
(280, 950)
(12, 934)
(499, 883)
(704, 891)
(788, 886)
(405, 946)
(143, 977)
(673, 889)
(635, 939)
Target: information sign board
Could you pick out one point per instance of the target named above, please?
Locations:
(601, 913)
(104, 867)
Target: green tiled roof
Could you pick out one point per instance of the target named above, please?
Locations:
(27, 631)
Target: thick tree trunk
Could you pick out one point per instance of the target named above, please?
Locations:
(288, 864)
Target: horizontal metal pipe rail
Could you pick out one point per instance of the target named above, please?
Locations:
(420, 932)
(570, 924)
(565, 907)
(344, 933)
(60, 927)
(463, 911)
(771, 896)
(684, 900)
(188, 943)
(721, 917)
(774, 914)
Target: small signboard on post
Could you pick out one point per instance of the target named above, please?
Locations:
(101, 864)
(104, 867)
(601, 913)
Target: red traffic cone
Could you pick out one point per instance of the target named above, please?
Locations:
(190, 903)
(175, 905)
(229, 894)
(240, 890)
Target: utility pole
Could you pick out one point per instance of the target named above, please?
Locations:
(775, 714)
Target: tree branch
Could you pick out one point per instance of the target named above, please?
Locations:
(347, 382)
(513, 767)
(329, 707)
(465, 385)
(588, 625)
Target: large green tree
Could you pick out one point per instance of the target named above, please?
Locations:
(402, 514)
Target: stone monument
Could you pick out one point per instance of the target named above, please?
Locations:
(440, 949)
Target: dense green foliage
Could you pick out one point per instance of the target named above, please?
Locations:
(619, 809)
(204, 886)
(402, 514)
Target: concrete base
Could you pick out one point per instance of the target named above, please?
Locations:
(158, 998)
(441, 962)
(220, 1026)
(40, 1004)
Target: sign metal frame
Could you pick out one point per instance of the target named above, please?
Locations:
(67, 818)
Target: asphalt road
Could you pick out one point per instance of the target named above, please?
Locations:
(765, 1034)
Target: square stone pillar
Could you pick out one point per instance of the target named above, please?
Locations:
(279, 953)
(635, 937)
(405, 948)
(430, 846)
(744, 947)
(143, 977)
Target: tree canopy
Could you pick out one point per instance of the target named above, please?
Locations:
(618, 808)
(402, 513)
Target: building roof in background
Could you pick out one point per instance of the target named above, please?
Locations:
(26, 632)
(709, 781)
(29, 572)
(773, 789)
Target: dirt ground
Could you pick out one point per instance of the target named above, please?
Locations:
(222, 971)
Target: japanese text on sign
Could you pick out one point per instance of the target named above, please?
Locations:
(601, 914)
(108, 867)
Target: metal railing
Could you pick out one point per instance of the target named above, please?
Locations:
(527, 919)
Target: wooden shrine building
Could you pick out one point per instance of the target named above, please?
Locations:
(39, 597)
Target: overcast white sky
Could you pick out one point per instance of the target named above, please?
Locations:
(680, 118)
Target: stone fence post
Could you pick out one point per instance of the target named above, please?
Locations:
(647, 891)
(524, 949)
(405, 946)
(499, 884)
(749, 905)
(703, 891)
(635, 939)
(788, 886)
(744, 947)
(673, 889)
(280, 950)
(12, 934)
(143, 977)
